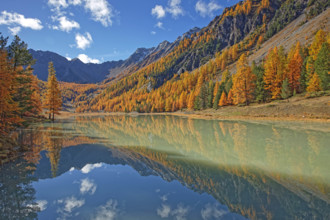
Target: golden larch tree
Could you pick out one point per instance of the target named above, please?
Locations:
(223, 99)
(316, 45)
(230, 97)
(314, 84)
(243, 82)
(8, 108)
(275, 72)
(294, 68)
(53, 101)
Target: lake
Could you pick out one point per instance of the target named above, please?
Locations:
(168, 167)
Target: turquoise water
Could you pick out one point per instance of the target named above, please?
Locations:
(167, 167)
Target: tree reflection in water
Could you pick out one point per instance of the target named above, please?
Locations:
(261, 171)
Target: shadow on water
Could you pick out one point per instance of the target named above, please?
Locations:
(259, 171)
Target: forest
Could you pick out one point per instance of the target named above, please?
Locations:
(304, 69)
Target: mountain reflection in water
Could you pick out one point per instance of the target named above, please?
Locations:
(177, 168)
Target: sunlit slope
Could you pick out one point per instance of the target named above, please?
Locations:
(240, 29)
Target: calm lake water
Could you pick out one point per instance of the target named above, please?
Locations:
(167, 167)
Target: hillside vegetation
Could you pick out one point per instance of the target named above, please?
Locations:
(195, 75)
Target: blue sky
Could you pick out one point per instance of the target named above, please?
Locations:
(102, 30)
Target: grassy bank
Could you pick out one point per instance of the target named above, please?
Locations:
(297, 108)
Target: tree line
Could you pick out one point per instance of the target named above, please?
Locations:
(304, 69)
(20, 92)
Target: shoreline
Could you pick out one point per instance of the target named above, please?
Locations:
(298, 108)
(196, 115)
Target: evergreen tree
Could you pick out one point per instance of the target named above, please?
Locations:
(218, 95)
(286, 90)
(210, 94)
(322, 66)
(260, 94)
(303, 76)
(230, 98)
(53, 97)
(19, 54)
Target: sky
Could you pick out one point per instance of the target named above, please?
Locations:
(103, 30)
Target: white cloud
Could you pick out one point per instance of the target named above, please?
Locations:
(87, 186)
(164, 211)
(108, 211)
(75, 2)
(158, 11)
(14, 30)
(58, 3)
(101, 11)
(179, 213)
(159, 25)
(153, 32)
(212, 211)
(174, 8)
(206, 9)
(86, 59)
(89, 167)
(71, 203)
(83, 41)
(66, 25)
(7, 18)
(42, 204)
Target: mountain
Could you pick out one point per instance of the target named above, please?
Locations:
(77, 71)
(179, 75)
(73, 70)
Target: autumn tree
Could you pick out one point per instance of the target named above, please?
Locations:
(53, 97)
(294, 68)
(230, 98)
(243, 82)
(223, 99)
(8, 107)
(316, 45)
(275, 71)
(314, 84)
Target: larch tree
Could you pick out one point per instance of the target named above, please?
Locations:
(316, 45)
(243, 82)
(8, 108)
(53, 101)
(274, 72)
(223, 99)
(295, 63)
(314, 84)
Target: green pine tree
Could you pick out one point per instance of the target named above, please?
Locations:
(285, 91)
(210, 94)
(322, 66)
(260, 93)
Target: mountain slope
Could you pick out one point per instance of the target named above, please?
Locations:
(164, 84)
(77, 71)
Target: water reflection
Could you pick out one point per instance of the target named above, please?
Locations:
(259, 171)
